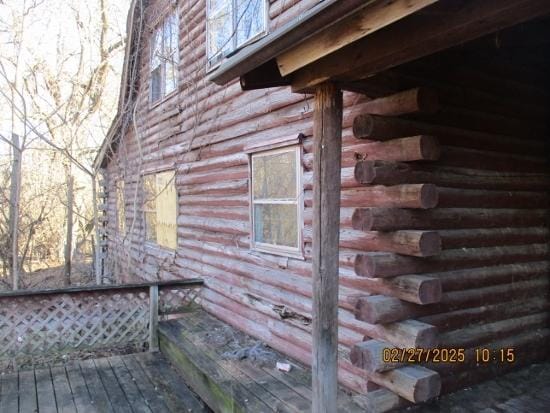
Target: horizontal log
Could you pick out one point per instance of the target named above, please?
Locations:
(492, 161)
(376, 265)
(380, 400)
(484, 333)
(413, 148)
(415, 243)
(417, 289)
(382, 128)
(527, 350)
(422, 196)
(381, 309)
(396, 173)
(414, 383)
(462, 318)
(369, 355)
(474, 198)
(392, 219)
(451, 239)
(409, 101)
(457, 280)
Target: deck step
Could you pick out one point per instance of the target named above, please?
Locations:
(207, 353)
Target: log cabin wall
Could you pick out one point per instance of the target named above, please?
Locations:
(469, 202)
(486, 165)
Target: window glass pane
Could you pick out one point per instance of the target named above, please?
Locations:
(274, 176)
(170, 35)
(276, 224)
(156, 79)
(170, 80)
(250, 19)
(156, 51)
(220, 29)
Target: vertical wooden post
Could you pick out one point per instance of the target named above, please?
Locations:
(153, 317)
(327, 134)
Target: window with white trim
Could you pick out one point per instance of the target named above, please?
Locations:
(233, 23)
(161, 209)
(164, 58)
(276, 201)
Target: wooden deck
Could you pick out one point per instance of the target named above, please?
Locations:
(144, 383)
(233, 372)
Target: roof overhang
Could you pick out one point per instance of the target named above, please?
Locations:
(346, 41)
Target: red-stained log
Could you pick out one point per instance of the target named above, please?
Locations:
(464, 318)
(384, 128)
(391, 219)
(376, 265)
(421, 196)
(415, 243)
(369, 355)
(473, 198)
(409, 101)
(380, 309)
(478, 335)
(396, 173)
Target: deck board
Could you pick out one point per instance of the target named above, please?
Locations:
(27, 391)
(136, 383)
(63, 394)
(9, 393)
(81, 396)
(45, 391)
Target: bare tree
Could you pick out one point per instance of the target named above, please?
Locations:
(62, 104)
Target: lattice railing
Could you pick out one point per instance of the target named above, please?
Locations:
(53, 322)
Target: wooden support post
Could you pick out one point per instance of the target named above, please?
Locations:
(153, 317)
(327, 133)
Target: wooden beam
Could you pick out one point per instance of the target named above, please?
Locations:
(374, 17)
(443, 25)
(327, 133)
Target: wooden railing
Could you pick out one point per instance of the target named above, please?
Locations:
(49, 323)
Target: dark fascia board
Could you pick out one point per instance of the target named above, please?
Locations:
(319, 17)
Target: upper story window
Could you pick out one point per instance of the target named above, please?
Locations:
(161, 209)
(120, 207)
(164, 58)
(276, 201)
(232, 23)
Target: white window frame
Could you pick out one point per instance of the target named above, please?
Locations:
(299, 202)
(160, 26)
(214, 61)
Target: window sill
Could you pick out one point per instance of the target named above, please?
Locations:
(153, 105)
(298, 255)
(153, 247)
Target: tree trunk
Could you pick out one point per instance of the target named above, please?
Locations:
(69, 236)
(15, 194)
